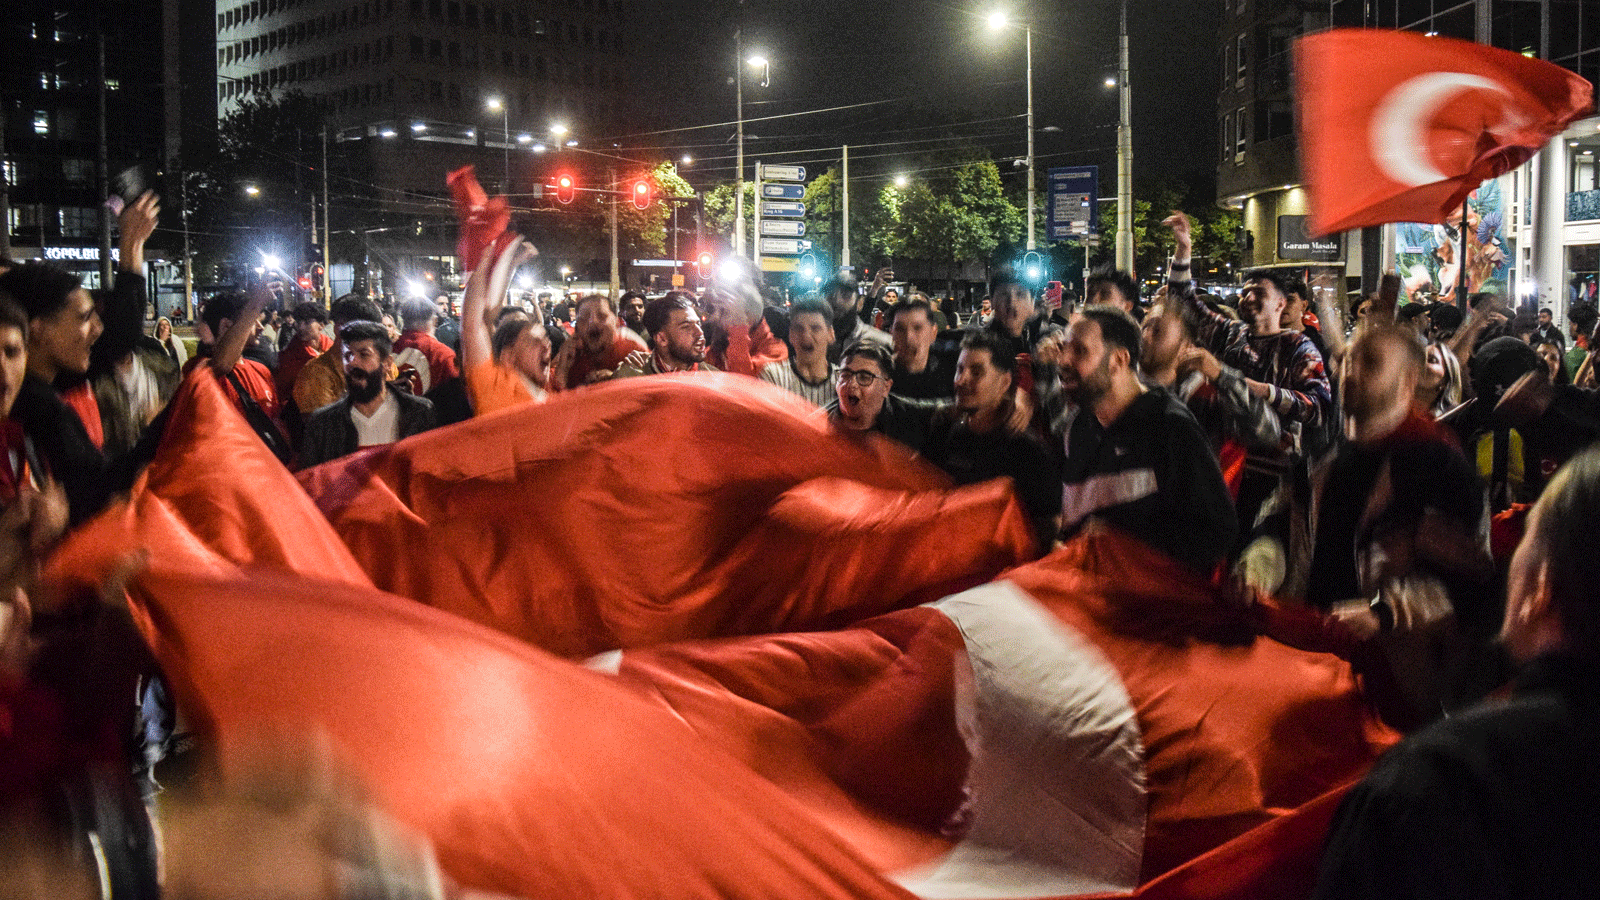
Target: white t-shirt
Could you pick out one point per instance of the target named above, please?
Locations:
(383, 427)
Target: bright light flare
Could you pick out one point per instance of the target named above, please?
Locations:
(997, 20)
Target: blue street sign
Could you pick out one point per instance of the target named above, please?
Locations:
(1072, 207)
(783, 209)
(783, 191)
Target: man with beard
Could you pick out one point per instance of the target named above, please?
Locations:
(632, 305)
(807, 371)
(972, 442)
(599, 345)
(1135, 458)
(1381, 532)
(1233, 419)
(372, 411)
(677, 342)
(848, 329)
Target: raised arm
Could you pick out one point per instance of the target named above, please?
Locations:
(123, 310)
(232, 343)
(1212, 329)
(481, 303)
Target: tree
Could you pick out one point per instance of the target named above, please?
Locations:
(825, 210)
(721, 209)
(956, 213)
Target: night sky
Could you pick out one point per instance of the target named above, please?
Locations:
(944, 73)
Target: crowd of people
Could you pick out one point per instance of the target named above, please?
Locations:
(1374, 470)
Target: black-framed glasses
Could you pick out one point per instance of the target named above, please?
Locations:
(862, 377)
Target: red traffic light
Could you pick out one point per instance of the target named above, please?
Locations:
(305, 282)
(643, 194)
(566, 187)
(704, 263)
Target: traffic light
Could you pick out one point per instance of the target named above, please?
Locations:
(305, 282)
(1033, 268)
(317, 274)
(566, 187)
(643, 194)
(705, 264)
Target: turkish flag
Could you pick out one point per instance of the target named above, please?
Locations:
(1397, 126)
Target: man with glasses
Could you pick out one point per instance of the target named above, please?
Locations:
(863, 401)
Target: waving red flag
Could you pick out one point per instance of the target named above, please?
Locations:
(1397, 126)
(483, 218)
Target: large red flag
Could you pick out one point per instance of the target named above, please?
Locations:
(655, 509)
(1397, 126)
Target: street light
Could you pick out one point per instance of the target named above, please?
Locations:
(900, 181)
(495, 104)
(252, 190)
(997, 20)
(755, 61)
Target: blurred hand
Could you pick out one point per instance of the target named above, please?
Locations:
(138, 219)
(1199, 359)
(1181, 234)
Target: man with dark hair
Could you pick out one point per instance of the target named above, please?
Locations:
(309, 342)
(1134, 456)
(677, 343)
(1112, 287)
(372, 412)
(232, 317)
(321, 381)
(844, 297)
(69, 345)
(420, 356)
(807, 372)
(633, 304)
(1382, 530)
(1499, 801)
(972, 441)
(1281, 366)
(918, 371)
(1546, 330)
(599, 345)
(863, 401)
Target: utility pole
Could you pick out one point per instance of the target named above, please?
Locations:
(738, 153)
(327, 232)
(611, 198)
(188, 258)
(1125, 156)
(755, 239)
(5, 193)
(102, 164)
(844, 196)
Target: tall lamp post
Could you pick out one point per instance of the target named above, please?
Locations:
(997, 20)
(1124, 153)
(495, 104)
(755, 61)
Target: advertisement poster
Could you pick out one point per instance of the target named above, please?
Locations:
(1426, 255)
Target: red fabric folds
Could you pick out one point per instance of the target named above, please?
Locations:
(1397, 126)
(658, 509)
(483, 220)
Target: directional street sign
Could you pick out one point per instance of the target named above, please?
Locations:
(782, 173)
(780, 263)
(783, 208)
(1073, 203)
(784, 245)
(783, 191)
(782, 228)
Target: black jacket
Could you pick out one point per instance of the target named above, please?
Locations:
(330, 432)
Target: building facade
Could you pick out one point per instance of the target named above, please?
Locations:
(148, 70)
(438, 83)
(1535, 231)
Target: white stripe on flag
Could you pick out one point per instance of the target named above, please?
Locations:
(1057, 778)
